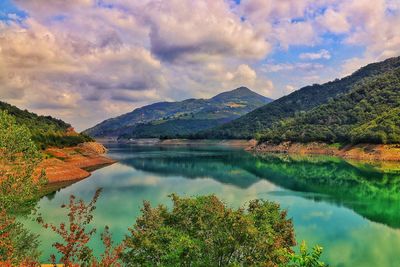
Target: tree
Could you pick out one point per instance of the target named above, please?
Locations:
(18, 247)
(76, 234)
(368, 113)
(19, 158)
(203, 231)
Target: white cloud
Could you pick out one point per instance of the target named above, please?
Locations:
(282, 67)
(334, 21)
(298, 33)
(102, 58)
(43, 70)
(352, 64)
(55, 7)
(322, 54)
(208, 28)
(372, 26)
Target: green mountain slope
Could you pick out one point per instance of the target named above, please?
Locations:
(175, 119)
(369, 113)
(303, 99)
(383, 129)
(46, 131)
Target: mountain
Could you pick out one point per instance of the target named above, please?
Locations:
(299, 101)
(368, 113)
(175, 119)
(46, 131)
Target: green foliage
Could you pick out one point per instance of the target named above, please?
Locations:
(45, 131)
(19, 158)
(369, 113)
(306, 258)
(383, 129)
(295, 104)
(59, 139)
(202, 231)
(170, 129)
(17, 245)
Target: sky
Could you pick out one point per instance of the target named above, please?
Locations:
(88, 60)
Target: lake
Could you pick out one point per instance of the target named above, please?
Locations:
(351, 209)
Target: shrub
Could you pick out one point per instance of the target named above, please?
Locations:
(203, 231)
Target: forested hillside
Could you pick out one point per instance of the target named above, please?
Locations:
(46, 131)
(175, 119)
(304, 99)
(369, 113)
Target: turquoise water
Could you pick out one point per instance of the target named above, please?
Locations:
(351, 209)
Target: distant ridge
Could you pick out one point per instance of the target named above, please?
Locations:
(368, 113)
(176, 119)
(304, 99)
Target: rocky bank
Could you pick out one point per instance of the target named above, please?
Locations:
(358, 152)
(73, 163)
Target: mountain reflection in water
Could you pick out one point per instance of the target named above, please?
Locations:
(368, 190)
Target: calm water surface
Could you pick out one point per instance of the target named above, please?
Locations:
(351, 209)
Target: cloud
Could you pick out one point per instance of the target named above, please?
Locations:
(372, 27)
(281, 67)
(208, 28)
(322, 54)
(86, 60)
(135, 96)
(297, 33)
(352, 64)
(284, 23)
(54, 7)
(334, 21)
(260, 10)
(244, 75)
(205, 80)
(49, 72)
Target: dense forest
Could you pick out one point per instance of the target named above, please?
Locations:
(46, 131)
(177, 128)
(369, 113)
(299, 101)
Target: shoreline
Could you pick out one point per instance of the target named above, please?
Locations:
(365, 152)
(64, 166)
(240, 143)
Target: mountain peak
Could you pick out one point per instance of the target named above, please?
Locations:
(240, 92)
(183, 117)
(243, 89)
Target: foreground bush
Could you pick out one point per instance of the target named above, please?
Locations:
(202, 231)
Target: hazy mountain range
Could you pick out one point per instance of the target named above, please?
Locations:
(181, 118)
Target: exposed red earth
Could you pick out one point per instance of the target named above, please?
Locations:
(73, 163)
